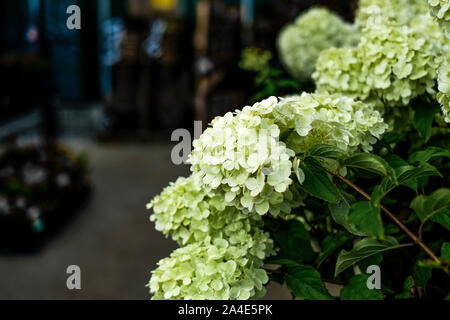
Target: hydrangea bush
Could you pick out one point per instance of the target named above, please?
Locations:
(316, 187)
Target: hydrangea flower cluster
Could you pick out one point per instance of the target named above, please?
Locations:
(222, 249)
(183, 209)
(255, 59)
(329, 119)
(189, 214)
(242, 157)
(428, 27)
(216, 271)
(443, 95)
(400, 11)
(392, 63)
(441, 10)
(340, 71)
(300, 43)
(399, 61)
(412, 13)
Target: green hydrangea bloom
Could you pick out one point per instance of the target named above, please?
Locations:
(399, 62)
(187, 213)
(255, 59)
(183, 210)
(224, 247)
(242, 157)
(412, 13)
(428, 27)
(340, 71)
(329, 119)
(300, 43)
(400, 11)
(440, 9)
(396, 62)
(443, 95)
(215, 271)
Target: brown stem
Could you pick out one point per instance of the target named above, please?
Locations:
(421, 229)
(386, 211)
(400, 246)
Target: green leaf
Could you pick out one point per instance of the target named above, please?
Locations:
(391, 229)
(443, 218)
(391, 138)
(288, 83)
(445, 251)
(327, 152)
(317, 182)
(305, 282)
(363, 249)
(422, 171)
(332, 243)
(340, 211)
(421, 275)
(367, 219)
(377, 196)
(294, 241)
(423, 119)
(445, 259)
(371, 163)
(374, 260)
(427, 206)
(395, 161)
(407, 286)
(429, 154)
(408, 176)
(357, 290)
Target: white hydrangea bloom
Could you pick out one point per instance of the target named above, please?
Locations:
(428, 27)
(440, 9)
(400, 11)
(443, 95)
(412, 13)
(340, 71)
(189, 214)
(399, 63)
(300, 43)
(183, 210)
(393, 63)
(224, 247)
(329, 119)
(216, 271)
(242, 157)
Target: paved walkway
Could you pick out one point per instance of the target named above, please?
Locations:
(112, 240)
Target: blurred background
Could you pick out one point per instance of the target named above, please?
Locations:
(86, 118)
